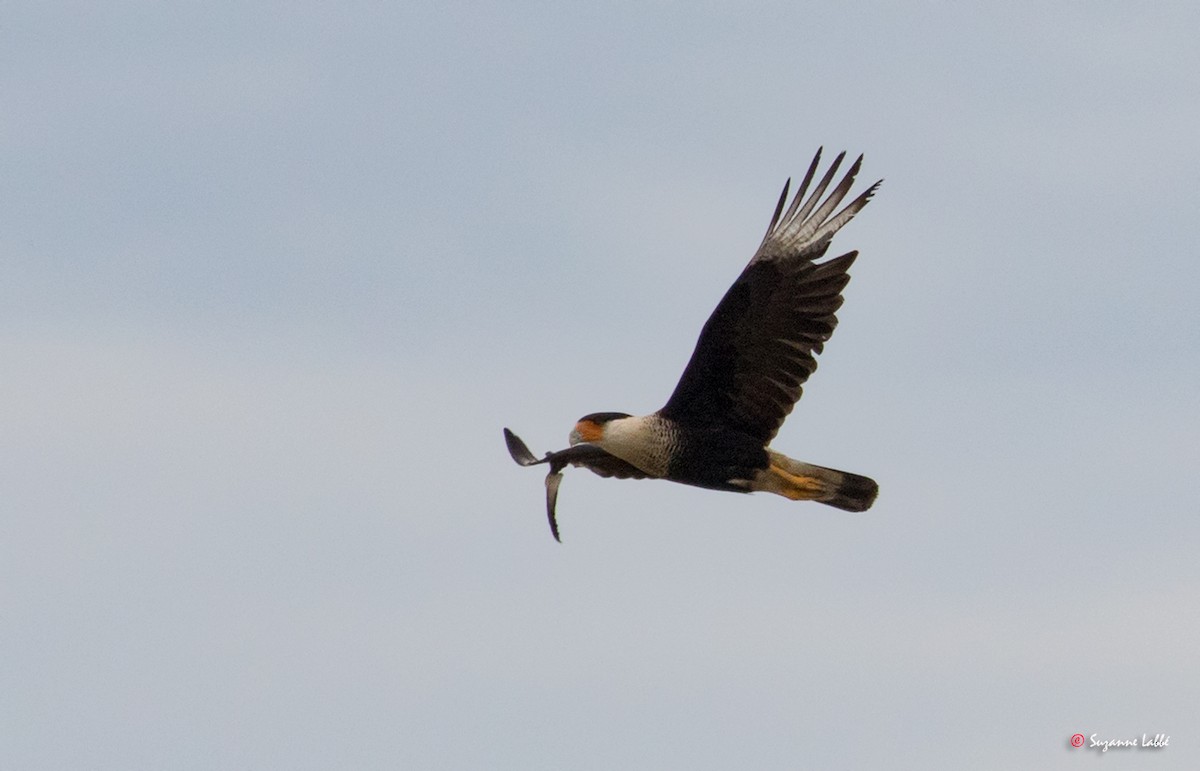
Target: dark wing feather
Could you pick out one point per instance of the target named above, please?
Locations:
(759, 345)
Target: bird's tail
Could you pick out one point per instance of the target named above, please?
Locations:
(805, 482)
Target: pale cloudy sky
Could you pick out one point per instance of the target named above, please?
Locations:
(276, 275)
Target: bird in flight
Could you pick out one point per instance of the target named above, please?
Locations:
(746, 373)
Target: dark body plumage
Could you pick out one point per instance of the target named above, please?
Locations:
(712, 456)
(747, 371)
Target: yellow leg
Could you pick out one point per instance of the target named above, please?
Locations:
(794, 487)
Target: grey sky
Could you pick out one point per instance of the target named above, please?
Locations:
(275, 276)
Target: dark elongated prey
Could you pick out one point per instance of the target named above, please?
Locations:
(588, 455)
(521, 454)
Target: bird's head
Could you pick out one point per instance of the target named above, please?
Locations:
(590, 428)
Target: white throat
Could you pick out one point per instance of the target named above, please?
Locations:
(642, 441)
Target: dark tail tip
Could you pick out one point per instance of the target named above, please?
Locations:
(855, 493)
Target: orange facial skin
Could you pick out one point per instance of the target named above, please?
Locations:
(589, 431)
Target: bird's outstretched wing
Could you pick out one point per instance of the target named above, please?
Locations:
(758, 346)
